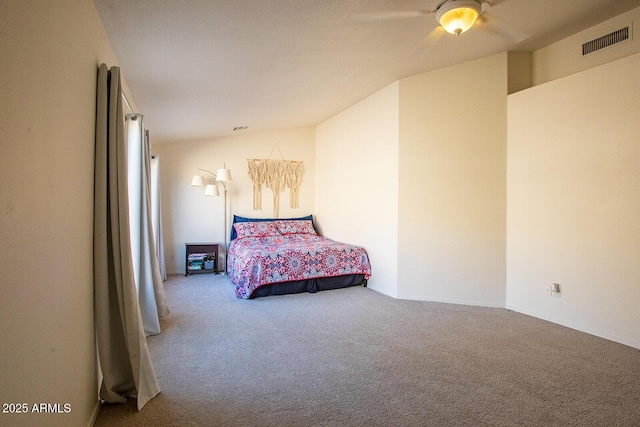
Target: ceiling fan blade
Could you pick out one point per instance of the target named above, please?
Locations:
(434, 35)
(486, 4)
(492, 24)
(390, 14)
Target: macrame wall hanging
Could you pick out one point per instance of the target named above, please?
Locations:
(275, 175)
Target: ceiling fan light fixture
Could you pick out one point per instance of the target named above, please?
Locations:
(457, 16)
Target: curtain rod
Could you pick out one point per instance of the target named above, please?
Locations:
(126, 101)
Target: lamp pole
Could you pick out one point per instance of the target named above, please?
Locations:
(223, 177)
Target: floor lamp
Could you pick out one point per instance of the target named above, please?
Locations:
(223, 177)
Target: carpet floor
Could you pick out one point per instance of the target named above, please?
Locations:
(355, 357)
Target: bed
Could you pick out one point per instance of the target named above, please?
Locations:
(270, 256)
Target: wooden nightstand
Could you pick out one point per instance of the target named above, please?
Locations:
(201, 258)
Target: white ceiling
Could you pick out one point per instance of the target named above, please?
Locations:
(198, 68)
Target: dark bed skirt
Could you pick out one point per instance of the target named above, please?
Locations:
(310, 285)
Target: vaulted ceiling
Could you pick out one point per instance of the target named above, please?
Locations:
(199, 68)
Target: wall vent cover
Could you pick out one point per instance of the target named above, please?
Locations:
(610, 39)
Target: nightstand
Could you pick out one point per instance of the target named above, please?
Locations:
(201, 258)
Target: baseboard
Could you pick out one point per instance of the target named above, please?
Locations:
(381, 291)
(94, 414)
(576, 326)
(449, 301)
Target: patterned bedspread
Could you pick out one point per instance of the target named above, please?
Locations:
(256, 261)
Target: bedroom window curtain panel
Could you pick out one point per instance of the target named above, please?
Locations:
(125, 363)
(156, 212)
(146, 268)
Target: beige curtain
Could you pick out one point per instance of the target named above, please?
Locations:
(122, 347)
(156, 212)
(146, 268)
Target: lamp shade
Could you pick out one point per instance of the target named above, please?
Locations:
(224, 175)
(211, 190)
(457, 16)
(197, 181)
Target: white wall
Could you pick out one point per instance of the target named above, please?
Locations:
(50, 54)
(357, 182)
(452, 184)
(565, 57)
(189, 216)
(574, 201)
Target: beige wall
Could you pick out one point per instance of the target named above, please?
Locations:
(519, 71)
(50, 54)
(574, 200)
(189, 216)
(452, 184)
(565, 57)
(357, 181)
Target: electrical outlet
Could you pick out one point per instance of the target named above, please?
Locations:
(554, 290)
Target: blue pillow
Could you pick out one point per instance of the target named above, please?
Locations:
(237, 218)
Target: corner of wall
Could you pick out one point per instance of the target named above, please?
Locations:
(353, 203)
(520, 73)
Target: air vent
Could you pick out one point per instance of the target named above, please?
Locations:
(610, 39)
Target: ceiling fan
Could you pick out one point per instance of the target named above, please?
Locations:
(455, 16)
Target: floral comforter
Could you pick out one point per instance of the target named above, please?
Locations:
(256, 261)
